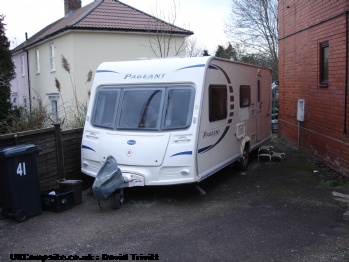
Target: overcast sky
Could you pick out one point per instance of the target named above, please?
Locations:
(204, 17)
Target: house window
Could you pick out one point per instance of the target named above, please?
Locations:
(217, 102)
(52, 57)
(324, 52)
(53, 97)
(40, 104)
(25, 102)
(37, 61)
(22, 65)
(259, 90)
(245, 96)
(25, 105)
(14, 100)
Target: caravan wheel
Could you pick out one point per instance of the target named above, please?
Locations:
(244, 161)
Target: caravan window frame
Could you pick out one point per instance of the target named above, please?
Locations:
(218, 102)
(245, 96)
(127, 100)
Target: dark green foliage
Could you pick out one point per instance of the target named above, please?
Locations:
(7, 73)
(205, 53)
(227, 53)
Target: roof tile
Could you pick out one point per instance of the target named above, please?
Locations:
(105, 15)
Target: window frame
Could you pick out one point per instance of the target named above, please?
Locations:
(54, 105)
(167, 119)
(37, 60)
(245, 93)
(221, 113)
(52, 57)
(22, 65)
(324, 64)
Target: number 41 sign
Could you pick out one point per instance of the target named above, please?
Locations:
(21, 169)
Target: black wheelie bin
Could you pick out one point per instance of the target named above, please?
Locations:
(20, 194)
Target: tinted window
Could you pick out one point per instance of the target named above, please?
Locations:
(140, 109)
(105, 108)
(179, 108)
(217, 102)
(245, 96)
(146, 108)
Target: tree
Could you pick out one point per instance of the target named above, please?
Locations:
(192, 47)
(165, 40)
(228, 53)
(254, 23)
(7, 73)
(205, 53)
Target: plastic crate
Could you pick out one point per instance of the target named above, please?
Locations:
(58, 202)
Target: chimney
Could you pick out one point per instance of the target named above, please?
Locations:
(70, 6)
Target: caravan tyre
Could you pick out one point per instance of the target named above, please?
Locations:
(243, 162)
(20, 216)
(4, 214)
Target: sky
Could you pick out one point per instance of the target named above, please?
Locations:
(206, 18)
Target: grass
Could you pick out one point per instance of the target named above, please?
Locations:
(330, 177)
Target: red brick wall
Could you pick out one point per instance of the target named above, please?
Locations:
(303, 25)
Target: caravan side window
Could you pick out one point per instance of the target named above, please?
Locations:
(217, 102)
(105, 108)
(245, 96)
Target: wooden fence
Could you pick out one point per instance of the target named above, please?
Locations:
(60, 155)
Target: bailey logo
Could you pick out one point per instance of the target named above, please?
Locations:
(131, 142)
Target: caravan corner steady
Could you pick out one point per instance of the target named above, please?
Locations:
(176, 120)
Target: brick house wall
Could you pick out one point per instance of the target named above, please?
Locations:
(303, 26)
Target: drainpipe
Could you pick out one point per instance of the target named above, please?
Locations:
(30, 99)
(346, 72)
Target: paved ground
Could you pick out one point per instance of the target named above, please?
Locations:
(272, 212)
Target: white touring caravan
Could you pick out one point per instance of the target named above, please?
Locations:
(175, 120)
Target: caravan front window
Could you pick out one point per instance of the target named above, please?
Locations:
(105, 109)
(179, 108)
(143, 108)
(140, 109)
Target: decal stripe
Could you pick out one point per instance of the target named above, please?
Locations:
(230, 120)
(106, 71)
(205, 149)
(231, 89)
(212, 67)
(183, 153)
(87, 147)
(225, 74)
(193, 66)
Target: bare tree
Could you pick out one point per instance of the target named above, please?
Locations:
(165, 37)
(192, 47)
(254, 23)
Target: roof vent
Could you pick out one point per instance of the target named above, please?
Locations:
(70, 6)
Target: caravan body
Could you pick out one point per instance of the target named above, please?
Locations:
(176, 120)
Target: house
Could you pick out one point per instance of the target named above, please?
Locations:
(313, 78)
(104, 30)
(20, 85)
